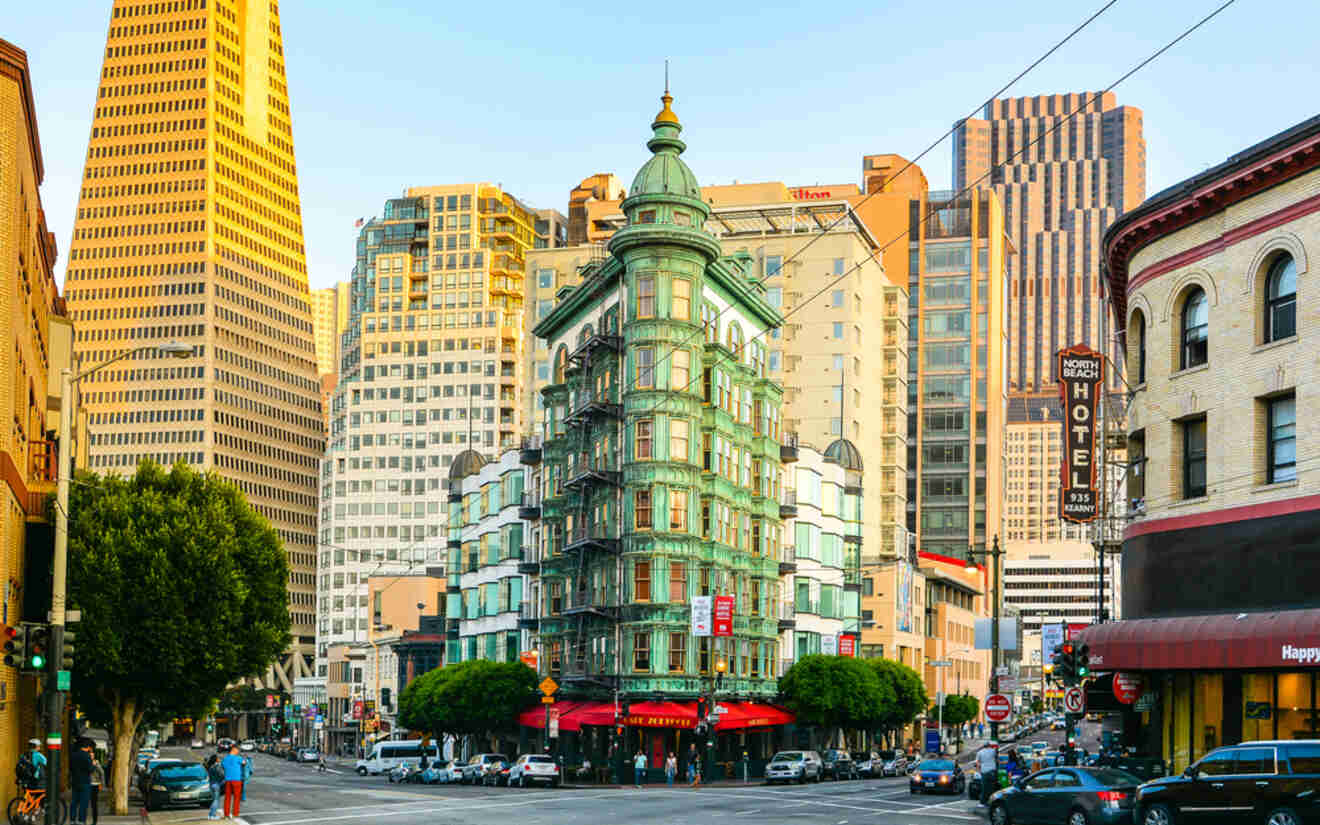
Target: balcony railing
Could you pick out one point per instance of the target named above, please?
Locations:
(591, 538)
(787, 557)
(529, 452)
(530, 562)
(529, 507)
(528, 616)
(788, 447)
(788, 504)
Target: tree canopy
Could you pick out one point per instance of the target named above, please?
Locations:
(836, 691)
(475, 697)
(959, 709)
(182, 588)
(909, 691)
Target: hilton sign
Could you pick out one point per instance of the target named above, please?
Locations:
(801, 194)
(1081, 380)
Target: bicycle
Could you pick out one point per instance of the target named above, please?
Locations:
(30, 808)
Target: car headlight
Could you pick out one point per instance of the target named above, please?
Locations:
(944, 778)
(916, 777)
(159, 788)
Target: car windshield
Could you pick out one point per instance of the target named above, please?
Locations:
(787, 756)
(1114, 777)
(539, 759)
(935, 765)
(182, 772)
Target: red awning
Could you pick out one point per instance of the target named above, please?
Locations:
(1287, 638)
(534, 717)
(740, 715)
(661, 715)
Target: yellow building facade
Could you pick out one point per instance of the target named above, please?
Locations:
(34, 320)
(189, 229)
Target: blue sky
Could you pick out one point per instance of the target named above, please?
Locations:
(536, 96)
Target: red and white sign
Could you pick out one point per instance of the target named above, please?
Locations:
(1081, 381)
(1074, 700)
(1072, 631)
(723, 621)
(998, 708)
(1127, 687)
(847, 646)
(357, 709)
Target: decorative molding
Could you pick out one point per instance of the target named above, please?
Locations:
(1282, 242)
(1198, 277)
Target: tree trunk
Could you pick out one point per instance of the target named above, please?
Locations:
(124, 711)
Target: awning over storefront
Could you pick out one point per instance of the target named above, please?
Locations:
(737, 716)
(1230, 641)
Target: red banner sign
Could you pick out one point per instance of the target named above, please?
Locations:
(357, 709)
(723, 621)
(847, 646)
(1081, 380)
(1127, 687)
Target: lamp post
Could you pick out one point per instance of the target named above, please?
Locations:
(60, 566)
(941, 664)
(993, 555)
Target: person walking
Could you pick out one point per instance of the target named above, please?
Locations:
(694, 766)
(233, 768)
(987, 764)
(215, 774)
(639, 769)
(671, 768)
(80, 779)
(38, 761)
(247, 774)
(98, 779)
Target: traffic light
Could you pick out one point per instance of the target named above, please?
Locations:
(624, 707)
(1082, 660)
(66, 657)
(38, 643)
(1063, 663)
(15, 646)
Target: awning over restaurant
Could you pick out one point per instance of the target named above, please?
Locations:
(1229, 641)
(737, 715)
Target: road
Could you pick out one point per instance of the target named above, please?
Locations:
(285, 793)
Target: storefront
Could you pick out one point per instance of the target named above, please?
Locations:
(585, 733)
(1215, 680)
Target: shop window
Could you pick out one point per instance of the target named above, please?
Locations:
(1294, 705)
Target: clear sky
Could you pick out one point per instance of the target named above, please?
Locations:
(536, 96)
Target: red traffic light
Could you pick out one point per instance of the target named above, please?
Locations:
(1067, 648)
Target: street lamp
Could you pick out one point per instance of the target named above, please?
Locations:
(59, 585)
(993, 555)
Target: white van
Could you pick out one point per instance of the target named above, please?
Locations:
(388, 755)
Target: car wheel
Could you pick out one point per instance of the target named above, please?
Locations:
(1158, 815)
(361, 771)
(1283, 816)
(999, 815)
(1077, 817)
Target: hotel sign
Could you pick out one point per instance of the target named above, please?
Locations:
(701, 615)
(723, 624)
(1081, 380)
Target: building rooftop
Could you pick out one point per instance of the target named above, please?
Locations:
(465, 464)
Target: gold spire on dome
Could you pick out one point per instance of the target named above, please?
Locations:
(666, 114)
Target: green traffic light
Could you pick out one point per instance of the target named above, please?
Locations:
(38, 661)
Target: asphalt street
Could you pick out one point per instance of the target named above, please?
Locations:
(286, 793)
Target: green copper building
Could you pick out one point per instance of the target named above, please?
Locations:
(661, 466)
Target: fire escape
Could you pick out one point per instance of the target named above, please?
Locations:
(593, 475)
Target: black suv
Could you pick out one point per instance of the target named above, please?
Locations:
(1260, 783)
(836, 765)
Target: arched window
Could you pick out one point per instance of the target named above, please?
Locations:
(585, 335)
(736, 341)
(1281, 299)
(1137, 337)
(1195, 329)
(561, 357)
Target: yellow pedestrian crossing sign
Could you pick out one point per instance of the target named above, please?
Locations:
(549, 686)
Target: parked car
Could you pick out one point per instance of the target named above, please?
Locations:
(247, 745)
(531, 768)
(496, 774)
(893, 763)
(836, 765)
(1272, 782)
(176, 783)
(866, 764)
(793, 766)
(1076, 796)
(936, 776)
(308, 755)
(144, 775)
(455, 770)
(475, 769)
(197, 743)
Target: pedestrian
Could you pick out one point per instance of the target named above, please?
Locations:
(247, 773)
(233, 768)
(215, 774)
(80, 779)
(98, 779)
(694, 766)
(639, 768)
(987, 765)
(671, 768)
(37, 760)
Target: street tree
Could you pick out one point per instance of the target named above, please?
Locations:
(473, 698)
(182, 588)
(836, 692)
(909, 691)
(958, 710)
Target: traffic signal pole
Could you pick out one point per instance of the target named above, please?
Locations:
(59, 586)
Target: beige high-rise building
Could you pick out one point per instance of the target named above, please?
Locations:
(189, 229)
(1033, 461)
(330, 319)
(1058, 195)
